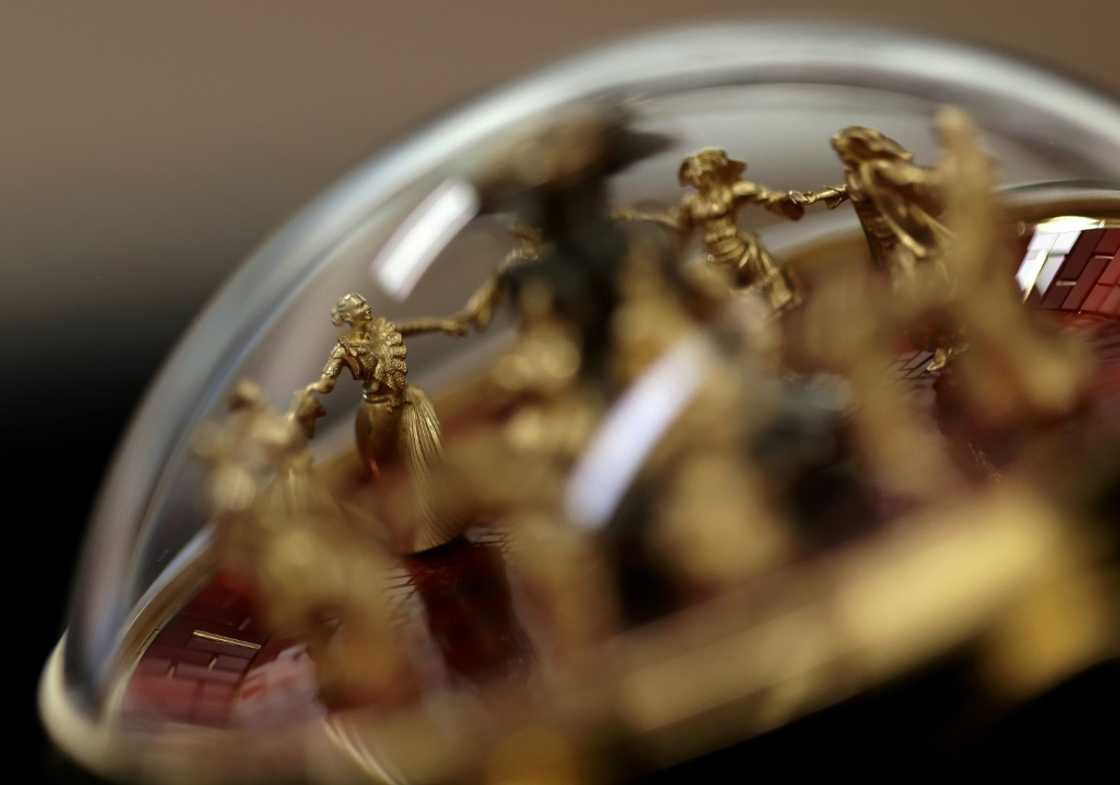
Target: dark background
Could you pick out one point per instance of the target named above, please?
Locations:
(146, 147)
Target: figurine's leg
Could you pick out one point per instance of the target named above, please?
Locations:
(376, 430)
(758, 268)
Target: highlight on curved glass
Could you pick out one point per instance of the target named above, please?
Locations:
(646, 407)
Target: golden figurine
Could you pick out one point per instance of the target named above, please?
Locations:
(396, 423)
(720, 193)
(898, 203)
(553, 415)
(278, 525)
(935, 232)
(1042, 372)
(893, 433)
(714, 524)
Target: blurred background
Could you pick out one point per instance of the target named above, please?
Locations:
(147, 147)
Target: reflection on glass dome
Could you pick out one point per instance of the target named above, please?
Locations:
(598, 437)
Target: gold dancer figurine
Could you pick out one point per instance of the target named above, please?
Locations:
(933, 230)
(396, 422)
(896, 200)
(720, 193)
(1041, 371)
(277, 524)
(898, 204)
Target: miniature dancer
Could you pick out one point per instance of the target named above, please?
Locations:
(898, 204)
(396, 422)
(720, 193)
(277, 524)
(897, 201)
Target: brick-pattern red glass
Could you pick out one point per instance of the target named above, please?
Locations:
(1089, 280)
(187, 678)
(469, 613)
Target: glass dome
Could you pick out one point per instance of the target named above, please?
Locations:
(408, 230)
